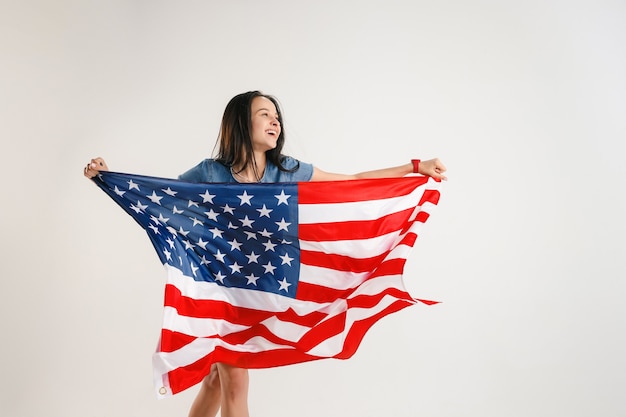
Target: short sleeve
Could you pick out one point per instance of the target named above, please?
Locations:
(199, 173)
(302, 171)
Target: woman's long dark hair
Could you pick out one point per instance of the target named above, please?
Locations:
(235, 139)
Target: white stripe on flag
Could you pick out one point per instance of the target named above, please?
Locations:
(364, 248)
(358, 210)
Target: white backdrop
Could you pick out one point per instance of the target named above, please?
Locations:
(525, 102)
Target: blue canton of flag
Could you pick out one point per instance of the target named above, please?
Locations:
(234, 235)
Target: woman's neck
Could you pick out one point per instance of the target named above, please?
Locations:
(253, 172)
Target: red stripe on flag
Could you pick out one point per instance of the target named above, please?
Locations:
(258, 330)
(214, 309)
(172, 341)
(369, 301)
(353, 230)
(357, 190)
(431, 196)
(427, 302)
(340, 262)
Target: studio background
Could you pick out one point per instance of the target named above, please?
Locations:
(525, 103)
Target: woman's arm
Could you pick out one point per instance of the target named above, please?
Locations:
(432, 168)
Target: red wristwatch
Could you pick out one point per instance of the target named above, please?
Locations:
(416, 165)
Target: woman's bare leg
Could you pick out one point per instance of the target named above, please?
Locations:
(234, 383)
(207, 402)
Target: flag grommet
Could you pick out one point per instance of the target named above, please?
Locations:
(162, 390)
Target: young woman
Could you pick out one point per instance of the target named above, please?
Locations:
(251, 140)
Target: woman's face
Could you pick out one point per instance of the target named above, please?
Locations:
(265, 124)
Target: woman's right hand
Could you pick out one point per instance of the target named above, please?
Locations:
(94, 167)
(433, 168)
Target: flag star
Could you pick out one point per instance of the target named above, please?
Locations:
(176, 210)
(228, 209)
(246, 222)
(216, 232)
(269, 268)
(282, 198)
(219, 277)
(269, 246)
(232, 226)
(163, 219)
(155, 229)
(285, 242)
(265, 233)
(188, 245)
(282, 225)
(156, 199)
(157, 220)
(197, 222)
(235, 267)
(173, 231)
(205, 261)
(219, 256)
(118, 191)
(132, 185)
(180, 260)
(194, 269)
(169, 192)
(139, 208)
(235, 245)
(183, 232)
(286, 259)
(203, 244)
(170, 242)
(192, 203)
(245, 198)
(264, 211)
(207, 197)
(252, 279)
(167, 254)
(284, 285)
(251, 235)
(253, 257)
(211, 215)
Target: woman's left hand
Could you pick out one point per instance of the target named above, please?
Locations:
(94, 167)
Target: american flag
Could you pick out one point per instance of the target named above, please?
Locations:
(264, 275)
